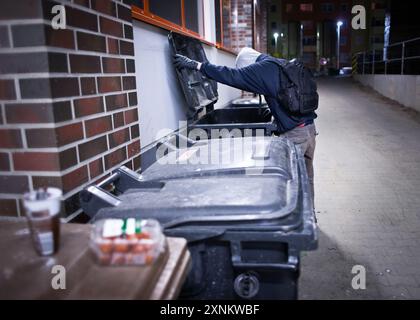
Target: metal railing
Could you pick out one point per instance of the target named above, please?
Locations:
(399, 58)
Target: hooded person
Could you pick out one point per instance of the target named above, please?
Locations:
(246, 57)
(260, 73)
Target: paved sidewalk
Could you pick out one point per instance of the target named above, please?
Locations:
(367, 173)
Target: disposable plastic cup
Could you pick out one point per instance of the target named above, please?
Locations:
(42, 209)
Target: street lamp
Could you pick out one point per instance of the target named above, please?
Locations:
(301, 41)
(339, 25)
(276, 36)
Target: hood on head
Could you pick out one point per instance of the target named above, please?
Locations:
(246, 57)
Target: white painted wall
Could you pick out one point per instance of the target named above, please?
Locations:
(403, 89)
(160, 99)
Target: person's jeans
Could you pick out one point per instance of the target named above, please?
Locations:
(304, 138)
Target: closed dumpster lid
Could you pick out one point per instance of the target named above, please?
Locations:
(262, 184)
(223, 199)
(199, 90)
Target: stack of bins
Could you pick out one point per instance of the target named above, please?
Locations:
(242, 203)
(246, 218)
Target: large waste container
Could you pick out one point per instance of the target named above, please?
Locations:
(201, 95)
(246, 220)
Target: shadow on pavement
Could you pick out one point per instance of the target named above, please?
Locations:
(326, 274)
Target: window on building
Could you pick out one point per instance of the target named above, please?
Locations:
(139, 3)
(289, 7)
(378, 22)
(309, 41)
(306, 7)
(193, 15)
(185, 16)
(227, 24)
(169, 10)
(218, 21)
(327, 7)
(273, 8)
(344, 7)
(235, 24)
(233, 19)
(377, 5)
(308, 25)
(273, 25)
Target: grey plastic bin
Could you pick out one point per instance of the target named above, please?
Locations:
(246, 221)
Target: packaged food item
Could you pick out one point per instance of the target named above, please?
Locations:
(127, 241)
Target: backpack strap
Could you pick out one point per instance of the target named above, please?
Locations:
(282, 66)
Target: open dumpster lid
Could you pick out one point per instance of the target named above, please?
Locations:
(199, 90)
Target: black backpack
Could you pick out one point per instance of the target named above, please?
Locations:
(298, 90)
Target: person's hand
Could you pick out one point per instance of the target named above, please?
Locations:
(181, 61)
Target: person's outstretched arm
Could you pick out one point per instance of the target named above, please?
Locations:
(261, 77)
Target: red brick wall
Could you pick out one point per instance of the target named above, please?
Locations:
(240, 30)
(260, 28)
(241, 24)
(68, 101)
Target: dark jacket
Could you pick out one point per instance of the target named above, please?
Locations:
(263, 78)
